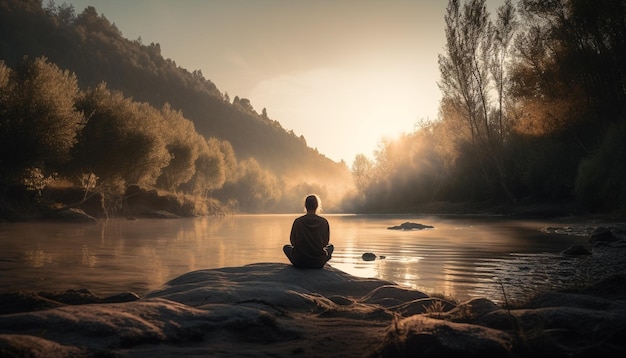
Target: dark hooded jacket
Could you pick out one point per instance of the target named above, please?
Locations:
(310, 234)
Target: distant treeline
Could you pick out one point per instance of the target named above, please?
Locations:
(533, 113)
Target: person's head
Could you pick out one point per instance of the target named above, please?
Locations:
(312, 203)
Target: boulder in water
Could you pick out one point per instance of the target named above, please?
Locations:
(368, 256)
(410, 226)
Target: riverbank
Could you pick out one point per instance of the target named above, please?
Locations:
(73, 204)
(271, 309)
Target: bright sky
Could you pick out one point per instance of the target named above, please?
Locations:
(343, 73)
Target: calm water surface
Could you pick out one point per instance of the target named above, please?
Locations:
(463, 257)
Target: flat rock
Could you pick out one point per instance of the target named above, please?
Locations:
(410, 226)
(271, 309)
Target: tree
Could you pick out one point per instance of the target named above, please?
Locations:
(474, 81)
(210, 170)
(230, 160)
(64, 12)
(570, 79)
(362, 171)
(244, 104)
(549, 99)
(92, 22)
(183, 144)
(567, 84)
(255, 190)
(38, 121)
(600, 184)
(121, 142)
(579, 48)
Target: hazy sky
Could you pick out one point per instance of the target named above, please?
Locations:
(343, 73)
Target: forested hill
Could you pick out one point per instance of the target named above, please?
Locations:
(90, 45)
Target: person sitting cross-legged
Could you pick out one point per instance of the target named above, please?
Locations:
(310, 237)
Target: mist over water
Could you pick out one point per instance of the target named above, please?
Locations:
(463, 257)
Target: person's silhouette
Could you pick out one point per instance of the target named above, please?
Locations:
(310, 237)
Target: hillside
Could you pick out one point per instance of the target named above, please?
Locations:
(92, 47)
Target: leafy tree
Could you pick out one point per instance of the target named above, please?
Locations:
(583, 42)
(210, 171)
(64, 12)
(182, 143)
(92, 22)
(548, 99)
(230, 159)
(120, 142)
(38, 120)
(407, 172)
(244, 105)
(600, 184)
(362, 171)
(571, 68)
(568, 82)
(255, 190)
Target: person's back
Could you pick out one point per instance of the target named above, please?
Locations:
(310, 237)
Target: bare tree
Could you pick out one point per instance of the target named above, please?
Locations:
(474, 80)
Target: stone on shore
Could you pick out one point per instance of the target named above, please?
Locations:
(576, 250)
(602, 235)
(72, 215)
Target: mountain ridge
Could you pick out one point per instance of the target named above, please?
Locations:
(92, 47)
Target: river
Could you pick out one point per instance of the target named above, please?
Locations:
(461, 256)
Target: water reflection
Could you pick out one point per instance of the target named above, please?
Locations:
(461, 257)
(88, 258)
(34, 258)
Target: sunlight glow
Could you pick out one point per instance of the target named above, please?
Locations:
(343, 74)
(345, 112)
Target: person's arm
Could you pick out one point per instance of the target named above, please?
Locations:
(327, 235)
(292, 236)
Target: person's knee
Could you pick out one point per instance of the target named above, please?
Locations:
(288, 249)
